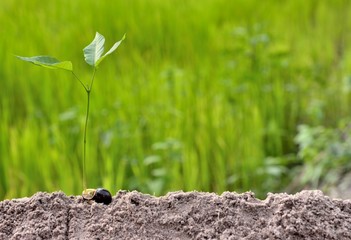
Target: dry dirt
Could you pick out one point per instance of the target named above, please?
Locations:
(178, 215)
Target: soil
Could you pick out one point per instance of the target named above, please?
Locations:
(178, 215)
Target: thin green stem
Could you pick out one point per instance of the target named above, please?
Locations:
(88, 90)
(92, 79)
(85, 139)
(85, 87)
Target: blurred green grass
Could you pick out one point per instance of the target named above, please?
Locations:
(198, 96)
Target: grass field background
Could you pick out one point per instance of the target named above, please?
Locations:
(202, 95)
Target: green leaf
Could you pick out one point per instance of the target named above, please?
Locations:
(113, 48)
(94, 50)
(48, 62)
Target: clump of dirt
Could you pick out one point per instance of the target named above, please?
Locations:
(178, 215)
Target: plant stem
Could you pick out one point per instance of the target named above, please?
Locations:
(88, 91)
(85, 139)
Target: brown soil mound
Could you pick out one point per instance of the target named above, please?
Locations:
(178, 215)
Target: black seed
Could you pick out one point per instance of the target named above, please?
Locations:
(102, 196)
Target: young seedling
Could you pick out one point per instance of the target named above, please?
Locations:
(93, 54)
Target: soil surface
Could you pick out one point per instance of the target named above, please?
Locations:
(178, 215)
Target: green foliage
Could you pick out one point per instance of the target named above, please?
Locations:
(326, 154)
(227, 81)
(92, 54)
(48, 62)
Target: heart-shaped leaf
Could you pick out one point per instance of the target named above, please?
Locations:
(48, 62)
(113, 48)
(94, 50)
